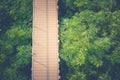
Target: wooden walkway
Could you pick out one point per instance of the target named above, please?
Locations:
(45, 64)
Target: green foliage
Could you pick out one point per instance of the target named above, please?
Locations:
(15, 39)
(23, 57)
(90, 40)
(81, 44)
(95, 4)
(78, 76)
(21, 63)
(104, 77)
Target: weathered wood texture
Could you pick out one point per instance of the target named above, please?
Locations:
(45, 40)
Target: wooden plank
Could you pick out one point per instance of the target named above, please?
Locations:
(45, 40)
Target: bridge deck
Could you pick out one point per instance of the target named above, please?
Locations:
(45, 40)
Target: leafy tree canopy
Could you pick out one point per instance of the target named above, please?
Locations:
(15, 39)
(89, 40)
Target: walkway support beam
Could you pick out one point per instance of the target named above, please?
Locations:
(45, 40)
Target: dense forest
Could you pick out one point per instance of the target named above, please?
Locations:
(89, 39)
(89, 35)
(15, 39)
